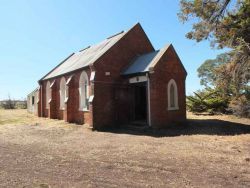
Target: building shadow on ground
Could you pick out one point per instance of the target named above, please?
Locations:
(190, 127)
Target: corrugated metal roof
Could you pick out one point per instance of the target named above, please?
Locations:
(84, 57)
(141, 63)
(144, 62)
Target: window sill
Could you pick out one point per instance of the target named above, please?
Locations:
(173, 108)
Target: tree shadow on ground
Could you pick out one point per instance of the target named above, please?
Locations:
(190, 127)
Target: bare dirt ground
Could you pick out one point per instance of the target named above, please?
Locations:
(207, 151)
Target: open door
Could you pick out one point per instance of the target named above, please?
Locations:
(140, 104)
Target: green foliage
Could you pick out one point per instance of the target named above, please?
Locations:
(224, 26)
(8, 104)
(216, 21)
(207, 70)
(13, 104)
(240, 106)
(225, 23)
(207, 101)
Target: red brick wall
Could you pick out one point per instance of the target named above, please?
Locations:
(110, 91)
(51, 112)
(169, 67)
(113, 100)
(44, 112)
(71, 112)
(109, 102)
(55, 102)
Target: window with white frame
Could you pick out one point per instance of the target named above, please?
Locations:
(62, 93)
(48, 94)
(83, 92)
(172, 95)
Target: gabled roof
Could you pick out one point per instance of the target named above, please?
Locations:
(84, 57)
(90, 55)
(141, 63)
(146, 62)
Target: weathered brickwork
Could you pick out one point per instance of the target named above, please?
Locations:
(113, 103)
(71, 113)
(169, 67)
(109, 96)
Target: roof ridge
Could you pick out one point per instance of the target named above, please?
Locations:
(115, 34)
(90, 58)
(84, 48)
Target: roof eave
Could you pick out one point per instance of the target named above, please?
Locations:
(39, 81)
(67, 73)
(134, 74)
(162, 52)
(158, 57)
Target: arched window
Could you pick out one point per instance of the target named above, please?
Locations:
(83, 91)
(62, 93)
(48, 94)
(172, 95)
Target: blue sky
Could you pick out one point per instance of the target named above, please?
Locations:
(35, 35)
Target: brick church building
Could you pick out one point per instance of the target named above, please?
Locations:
(119, 81)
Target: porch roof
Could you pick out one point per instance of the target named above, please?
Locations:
(145, 62)
(141, 63)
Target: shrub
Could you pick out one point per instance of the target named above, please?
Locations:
(207, 101)
(9, 104)
(240, 107)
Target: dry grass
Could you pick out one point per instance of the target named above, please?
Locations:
(208, 151)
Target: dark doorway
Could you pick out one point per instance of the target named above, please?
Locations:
(140, 98)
